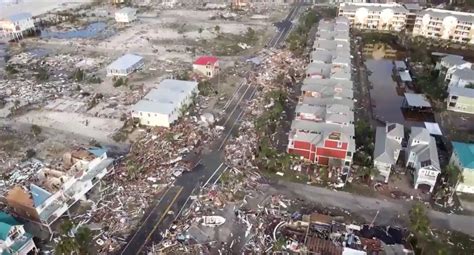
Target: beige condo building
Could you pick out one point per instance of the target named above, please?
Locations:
(389, 17)
(445, 24)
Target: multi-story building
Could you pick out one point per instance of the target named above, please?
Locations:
(389, 17)
(388, 145)
(207, 66)
(422, 158)
(322, 143)
(444, 24)
(323, 129)
(56, 190)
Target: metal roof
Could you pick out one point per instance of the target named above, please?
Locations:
(386, 144)
(125, 62)
(460, 91)
(400, 64)
(405, 76)
(466, 74)
(127, 10)
(416, 100)
(166, 97)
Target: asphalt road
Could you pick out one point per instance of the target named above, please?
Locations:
(391, 212)
(164, 212)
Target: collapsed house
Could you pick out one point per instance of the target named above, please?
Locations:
(53, 191)
(13, 237)
(15, 26)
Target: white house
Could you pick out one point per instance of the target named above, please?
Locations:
(461, 99)
(461, 77)
(463, 157)
(388, 144)
(16, 25)
(126, 15)
(125, 65)
(422, 158)
(163, 105)
(13, 237)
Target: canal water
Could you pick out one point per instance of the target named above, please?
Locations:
(93, 30)
(386, 97)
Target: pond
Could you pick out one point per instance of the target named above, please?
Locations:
(93, 30)
(386, 96)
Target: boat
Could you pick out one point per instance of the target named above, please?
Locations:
(213, 221)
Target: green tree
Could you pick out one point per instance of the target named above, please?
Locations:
(42, 74)
(470, 86)
(217, 29)
(83, 239)
(79, 75)
(35, 129)
(200, 30)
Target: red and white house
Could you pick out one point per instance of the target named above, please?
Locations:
(207, 66)
(322, 143)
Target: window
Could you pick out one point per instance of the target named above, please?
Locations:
(452, 104)
(454, 97)
(349, 154)
(149, 115)
(347, 163)
(339, 144)
(141, 113)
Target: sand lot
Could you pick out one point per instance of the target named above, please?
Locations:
(101, 129)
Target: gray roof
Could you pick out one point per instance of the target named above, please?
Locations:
(374, 7)
(305, 137)
(325, 35)
(426, 149)
(460, 91)
(319, 69)
(127, 10)
(328, 113)
(166, 97)
(452, 60)
(327, 101)
(327, 82)
(321, 56)
(324, 45)
(325, 26)
(341, 73)
(420, 133)
(414, 7)
(20, 16)
(325, 129)
(125, 62)
(466, 74)
(321, 127)
(341, 27)
(441, 14)
(417, 100)
(400, 64)
(405, 76)
(386, 144)
(342, 19)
